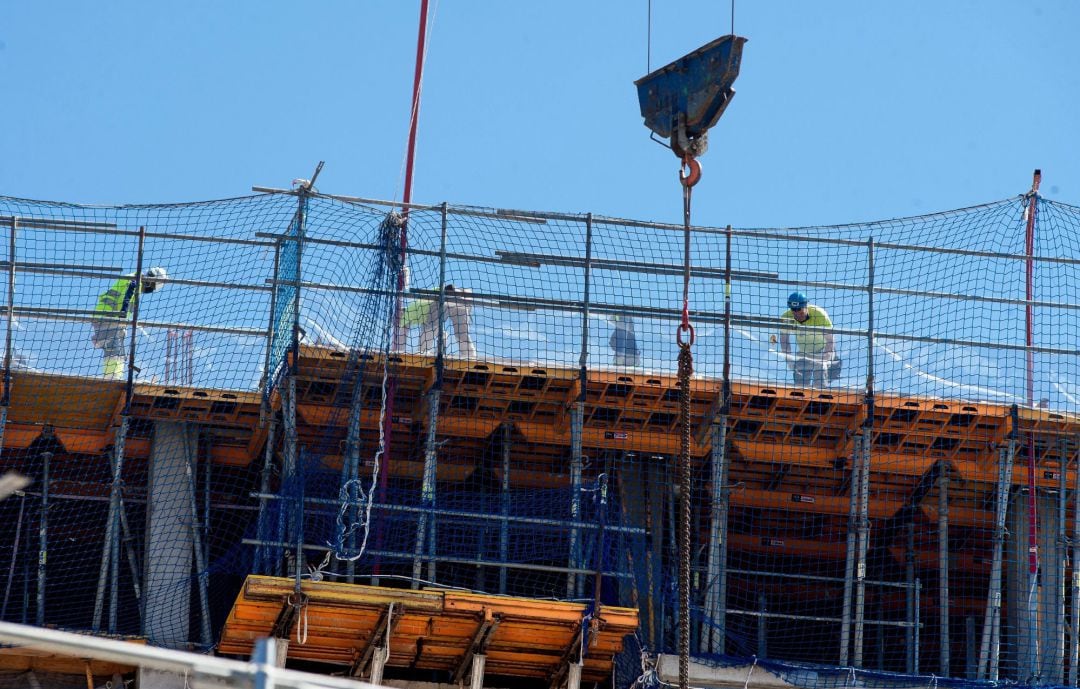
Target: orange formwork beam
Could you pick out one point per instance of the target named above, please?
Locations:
(433, 628)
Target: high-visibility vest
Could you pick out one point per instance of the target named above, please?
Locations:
(809, 342)
(115, 301)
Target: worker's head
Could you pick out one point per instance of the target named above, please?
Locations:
(797, 301)
(449, 287)
(152, 280)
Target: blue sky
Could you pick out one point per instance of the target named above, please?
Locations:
(846, 111)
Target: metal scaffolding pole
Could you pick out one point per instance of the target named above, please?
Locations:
(262, 553)
(290, 461)
(425, 524)
(716, 594)
(574, 585)
(504, 523)
(111, 527)
(424, 539)
(763, 626)
(5, 400)
(43, 537)
(14, 555)
(1062, 556)
(863, 544)
(190, 458)
(110, 557)
(912, 599)
(266, 415)
(989, 647)
(1074, 612)
(916, 627)
(849, 565)
(943, 571)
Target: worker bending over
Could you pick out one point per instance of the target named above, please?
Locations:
(424, 314)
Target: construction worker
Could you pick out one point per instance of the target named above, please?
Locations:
(424, 313)
(816, 364)
(623, 342)
(113, 312)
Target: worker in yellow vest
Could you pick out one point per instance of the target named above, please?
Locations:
(816, 363)
(113, 313)
(424, 314)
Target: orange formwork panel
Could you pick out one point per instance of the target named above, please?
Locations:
(432, 629)
(62, 401)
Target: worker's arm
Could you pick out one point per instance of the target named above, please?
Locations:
(785, 343)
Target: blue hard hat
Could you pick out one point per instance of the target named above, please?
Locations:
(797, 300)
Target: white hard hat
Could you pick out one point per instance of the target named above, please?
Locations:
(153, 278)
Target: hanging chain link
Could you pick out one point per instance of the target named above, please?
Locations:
(686, 370)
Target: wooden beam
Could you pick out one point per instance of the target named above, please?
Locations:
(387, 619)
(489, 623)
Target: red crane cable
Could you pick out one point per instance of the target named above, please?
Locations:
(410, 157)
(1029, 249)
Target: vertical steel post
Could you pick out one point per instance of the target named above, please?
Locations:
(870, 327)
(14, 555)
(289, 458)
(716, 595)
(266, 415)
(116, 504)
(1062, 552)
(1074, 611)
(943, 571)
(207, 465)
(863, 543)
(849, 564)
(190, 456)
(129, 549)
(350, 470)
(298, 553)
(43, 537)
(917, 627)
(971, 654)
(350, 466)
(989, 645)
(912, 602)
(5, 400)
(110, 558)
(291, 470)
(110, 523)
(577, 421)
(267, 381)
(425, 527)
(262, 552)
(1032, 496)
(504, 525)
(716, 567)
(763, 626)
(135, 301)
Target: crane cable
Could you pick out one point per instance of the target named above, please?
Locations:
(689, 175)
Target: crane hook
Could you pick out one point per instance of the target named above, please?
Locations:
(690, 171)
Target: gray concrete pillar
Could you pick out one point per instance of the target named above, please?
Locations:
(169, 547)
(1033, 641)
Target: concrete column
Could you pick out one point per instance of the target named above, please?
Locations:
(1034, 642)
(169, 547)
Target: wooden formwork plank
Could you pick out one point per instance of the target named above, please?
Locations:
(435, 630)
(62, 401)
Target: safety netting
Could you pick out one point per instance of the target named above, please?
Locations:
(883, 424)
